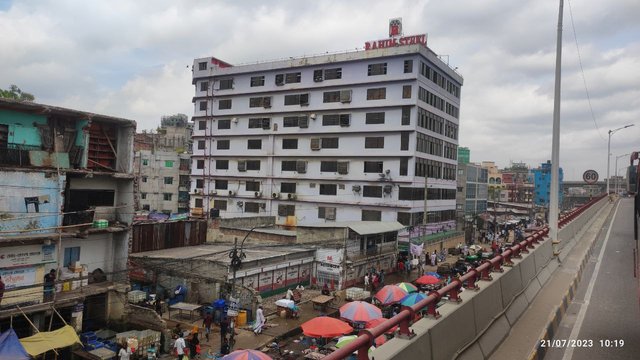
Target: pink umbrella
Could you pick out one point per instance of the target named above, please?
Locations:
(325, 327)
(247, 355)
(427, 280)
(359, 311)
(390, 294)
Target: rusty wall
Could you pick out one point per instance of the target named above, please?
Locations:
(166, 235)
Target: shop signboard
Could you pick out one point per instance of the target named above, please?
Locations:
(19, 285)
(27, 255)
(265, 281)
(292, 274)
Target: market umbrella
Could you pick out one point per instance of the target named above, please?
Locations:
(325, 327)
(427, 280)
(247, 355)
(408, 287)
(344, 340)
(390, 294)
(359, 311)
(433, 273)
(375, 322)
(412, 299)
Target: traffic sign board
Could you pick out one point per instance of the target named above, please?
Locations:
(590, 176)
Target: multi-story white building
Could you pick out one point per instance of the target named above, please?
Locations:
(350, 136)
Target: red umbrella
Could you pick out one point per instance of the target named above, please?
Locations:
(375, 322)
(390, 294)
(359, 311)
(247, 355)
(325, 327)
(427, 280)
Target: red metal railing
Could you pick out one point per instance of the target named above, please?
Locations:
(468, 280)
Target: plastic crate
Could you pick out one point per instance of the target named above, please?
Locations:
(136, 296)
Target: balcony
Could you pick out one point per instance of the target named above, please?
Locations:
(18, 155)
(377, 250)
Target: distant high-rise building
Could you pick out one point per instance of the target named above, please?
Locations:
(464, 154)
(542, 181)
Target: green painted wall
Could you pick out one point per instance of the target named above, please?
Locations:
(21, 127)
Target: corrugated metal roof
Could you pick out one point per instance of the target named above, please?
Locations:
(363, 227)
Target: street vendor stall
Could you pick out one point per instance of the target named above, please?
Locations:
(182, 306)
(288, 307)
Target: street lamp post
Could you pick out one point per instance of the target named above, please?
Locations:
(611, 132)
(617, 180)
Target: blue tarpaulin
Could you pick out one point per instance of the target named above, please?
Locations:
(11, 348)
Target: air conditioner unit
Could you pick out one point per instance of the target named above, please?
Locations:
(266, 124)
(317, 75)
(345, 96)
(315, 144)
(263, 206)
(292, 196)
(258, 194)
(356, 188)
(240, 204)
(275, 195)
(345, 120)
(197, 192)
(343, 167)
(387, 189)
(211, 193)
(301, 166)
(234, 120)
(312, 116)
(242, 165)
(231, 193)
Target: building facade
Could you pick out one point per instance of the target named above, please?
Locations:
(67, 206)
(351, 136)
(542, 181)
(518, 183)
(162, 166)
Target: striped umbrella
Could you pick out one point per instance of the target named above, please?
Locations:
(247, 355)
(325, 327)
(359, 311)
(390, 294)
(408, 287)
(427, 280)
(412, 299)
(433, 273)
(344, 340)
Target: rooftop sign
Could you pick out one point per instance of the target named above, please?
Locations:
(393, 42)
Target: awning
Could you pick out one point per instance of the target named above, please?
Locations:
(375, 227)
(11, 348)
(49, 340)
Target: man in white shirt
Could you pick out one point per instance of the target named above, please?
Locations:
(260, 320)
(179, 346)
(366, 281)
(289, 294)
(124, 353)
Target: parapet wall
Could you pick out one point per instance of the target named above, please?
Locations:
(474, 328)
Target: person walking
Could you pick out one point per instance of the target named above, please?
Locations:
(49, 285)
(260, 320)
(206, 324)
(194, 346)
(381, 276)
(434, 259)
(224, 329)
(125, 351)
(366, 281)
(179, 347)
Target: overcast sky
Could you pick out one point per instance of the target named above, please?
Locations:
(132, 59)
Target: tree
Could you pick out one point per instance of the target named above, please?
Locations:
(15, 93)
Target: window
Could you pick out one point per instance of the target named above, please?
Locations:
(330, 120)
(406, 115)
(328, 189)
(377, 69)
(204, 86)
(371, 215)
(255, 102)
(253, 164)
(289, 143)
(198, 203)
(372, 191)
(257, 81)
(202, 65)
(224, 104)
(290, 121)
(201, 144)
(331, 96)
(289, 188)
(329, 166)
(222, 184)
(404, 141)
(404, 167)
(286, 210)
(143, 196)
(199, 183)
(224, 124)
(292, 77)
(222, 164)
(376, 94)
(328, 213)
(414, 194)
(408, 66)
(288, 165)
(297, 99)
(202, 125)
(203, 105)
(251, 207)
(168, 163)
(226, 84)
(254, 144)
(374, 142)
(167, 196)
(220, 204)
(199, 164)
(146, 207)
(168, 180)
(71, 255)
(374, 118)
(329, 143)
(252, 186)
(330, 74)
(223, 145)
(373, 167)
(406, 92)
(145, 162)
(259, 123)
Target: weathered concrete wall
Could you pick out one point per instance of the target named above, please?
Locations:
(474, 328)
(314, 235)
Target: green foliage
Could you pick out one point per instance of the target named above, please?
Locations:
(15, 93)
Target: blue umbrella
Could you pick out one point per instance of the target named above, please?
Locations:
(433, 273)
(412, 299)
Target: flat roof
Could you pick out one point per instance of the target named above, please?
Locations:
(220, 253)
(363, 227)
